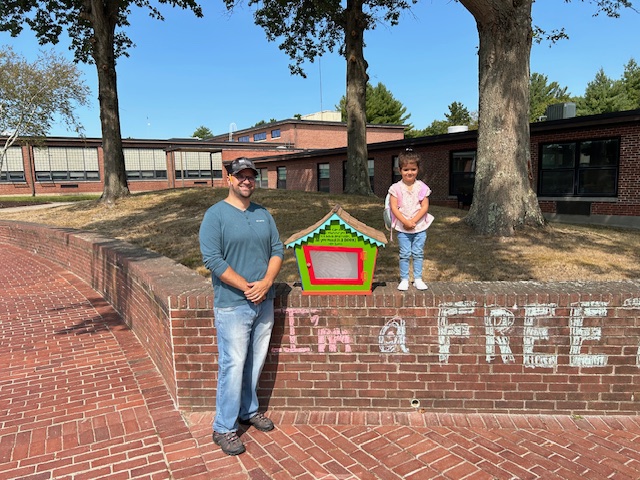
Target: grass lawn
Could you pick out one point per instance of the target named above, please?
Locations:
(168, 221)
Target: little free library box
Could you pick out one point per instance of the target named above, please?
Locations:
(337, 255)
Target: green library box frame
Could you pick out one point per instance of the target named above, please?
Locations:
(337, 255)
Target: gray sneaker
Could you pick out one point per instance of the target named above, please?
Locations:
(229, 443)
(259, 421)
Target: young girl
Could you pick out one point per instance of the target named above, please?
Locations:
(409, 204)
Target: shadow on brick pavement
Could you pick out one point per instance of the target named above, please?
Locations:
(80, 399)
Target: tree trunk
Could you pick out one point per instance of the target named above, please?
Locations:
(503, 198)
(357, 177)
(103, 20)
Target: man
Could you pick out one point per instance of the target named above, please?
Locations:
(241, 247)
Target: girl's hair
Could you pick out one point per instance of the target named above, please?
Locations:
(408, 156)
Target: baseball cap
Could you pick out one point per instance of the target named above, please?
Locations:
(240, 164)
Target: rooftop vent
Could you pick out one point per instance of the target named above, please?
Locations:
(558, 111)
(457, 128)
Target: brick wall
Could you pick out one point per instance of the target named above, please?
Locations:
(563, 348)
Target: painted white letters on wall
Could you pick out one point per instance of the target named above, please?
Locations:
(579, 334)
(446, 331)
(498, 323)
(534, 333)
(496, 326)
(634, 303)
(393, 336)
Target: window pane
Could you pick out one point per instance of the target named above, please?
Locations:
(462, 183)
(263, 179)
(463, 162)
(12, 166)
(282, 177)
(463, 173)
(323, 178)
(395, 175)
(558, 155)
(14, 176)
(599, 153)
(597, 181)
(556, 182)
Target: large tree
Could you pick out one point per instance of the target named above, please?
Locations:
(95, 29)
(309, 28)
(33, 95)
(503, 198)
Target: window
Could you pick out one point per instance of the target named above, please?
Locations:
(60, 164)
(282, 177)
(145, 163)
(263, 178)
(12, 166)
(463, 173)
(243, 138)
(323, 178)
(583, 168)
(370, 170)
(198, 165)
(275, 133)
(258, 137)
(395, 174)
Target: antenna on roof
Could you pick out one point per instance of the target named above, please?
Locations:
(320, 71)
(232, 128)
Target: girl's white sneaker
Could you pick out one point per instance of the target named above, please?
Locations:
(403, 285)
(419, 284)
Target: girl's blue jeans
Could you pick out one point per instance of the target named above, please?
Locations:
(243, 334)
(411, 246)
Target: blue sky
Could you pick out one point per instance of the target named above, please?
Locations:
(221, 72)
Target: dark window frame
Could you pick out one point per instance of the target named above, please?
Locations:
(282, 178)
(323, 171)
(461, 180)
(262, 181)
(574, 173)
(396, 176)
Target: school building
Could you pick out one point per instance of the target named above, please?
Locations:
(584, 169)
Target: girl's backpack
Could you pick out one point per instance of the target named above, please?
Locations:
(390, 219)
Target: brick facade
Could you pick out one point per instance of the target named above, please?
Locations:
(303, 145)
(557, 348)
(296, 136)
(436, 152)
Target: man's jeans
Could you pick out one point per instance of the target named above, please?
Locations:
(411, 245)
(243, 334)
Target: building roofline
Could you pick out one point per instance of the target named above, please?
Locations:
(295, 121)
(603, 119)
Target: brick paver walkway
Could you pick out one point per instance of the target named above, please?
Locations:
(80, 399)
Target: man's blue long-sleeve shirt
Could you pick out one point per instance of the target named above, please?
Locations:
(243, 240)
